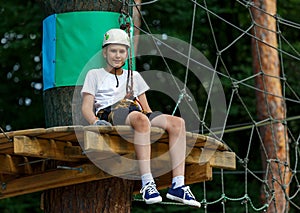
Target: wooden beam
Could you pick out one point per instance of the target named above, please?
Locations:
(8, 165)
(105, 144)
(64, 133)
(157, 134)
(94, 141)
(63, 176)
(28, 167)
(6, 147)
(15, 165)
(120, 166)
(193, 174)
(216, 158)
(26, 132)
(42, 148)
(74, 152)
(51, 179)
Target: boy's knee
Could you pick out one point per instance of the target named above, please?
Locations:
(139, 121)
(177, 123)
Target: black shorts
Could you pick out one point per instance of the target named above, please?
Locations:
(119, 115)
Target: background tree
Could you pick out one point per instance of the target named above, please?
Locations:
(20, 64)
(270, 105)
(21, 93)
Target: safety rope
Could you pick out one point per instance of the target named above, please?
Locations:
(7, 137)
(126, 23)
(183, 92)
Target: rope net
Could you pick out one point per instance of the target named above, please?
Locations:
(268, 167)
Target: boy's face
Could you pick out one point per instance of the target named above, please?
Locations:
(115, 55)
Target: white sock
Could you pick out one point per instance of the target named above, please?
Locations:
(146, 178)
(178, 180)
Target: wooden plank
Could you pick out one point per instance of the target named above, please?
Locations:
(28, 167)
(5, 138)
(93, 141)
(62, 133)
(65, 128)
(212, 142)
(19, 165)
(106, 143)
(94, 155)
(6, 147)
(118, 165)
(8, 165)
(51, 179)
(199, 140)
(126, 131)
(158, 134)
(124, 166)
(223, 160)
(42, 148)
(113, 130)
(216, 158)
(27, 132)
(198, 173)
(194, 139)
(74, 152)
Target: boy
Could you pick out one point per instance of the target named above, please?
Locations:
(106, 88)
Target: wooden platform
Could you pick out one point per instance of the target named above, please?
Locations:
(38, 159)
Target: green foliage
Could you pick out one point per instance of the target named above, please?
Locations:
(21, 80)
(21, 204)
(21, 77)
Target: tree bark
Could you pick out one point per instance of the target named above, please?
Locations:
(112, 195)
(270, 105)
(137, 23)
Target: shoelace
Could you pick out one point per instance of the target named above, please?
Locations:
(150, 188)
(187, 192)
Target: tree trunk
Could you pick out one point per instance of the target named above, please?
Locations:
(107, 196)
(137, 22)
(112, 195)
(270, 105)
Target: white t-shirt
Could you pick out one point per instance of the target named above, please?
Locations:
(103, 86)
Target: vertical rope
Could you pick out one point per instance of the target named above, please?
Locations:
(126, 23)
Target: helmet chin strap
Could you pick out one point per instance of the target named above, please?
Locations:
(116, 68)
(129, 91)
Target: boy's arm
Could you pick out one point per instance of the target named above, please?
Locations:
(87, 108)
(143, 101)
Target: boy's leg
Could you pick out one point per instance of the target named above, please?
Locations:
(175, 127)
(141, 125)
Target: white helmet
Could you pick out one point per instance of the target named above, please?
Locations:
(116, 36)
